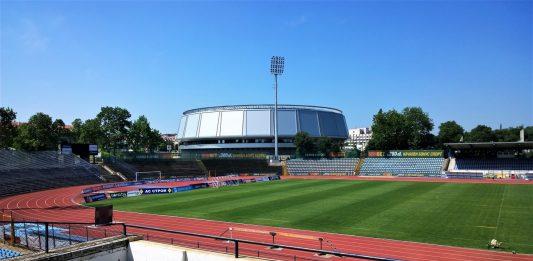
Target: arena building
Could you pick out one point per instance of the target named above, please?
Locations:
(248, 130)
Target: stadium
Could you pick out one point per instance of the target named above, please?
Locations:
(249, 129)
(384, 205)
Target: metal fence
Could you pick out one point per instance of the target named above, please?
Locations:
(44, 236)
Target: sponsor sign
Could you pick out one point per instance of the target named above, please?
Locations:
(118, 195)
(198, 186)
(406, 154)
(93, 149)
(181, 189)
(133, 193)
(151, 191)
(95, 197)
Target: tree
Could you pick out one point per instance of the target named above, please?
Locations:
(480, 133)
(76, 130)
(115, 125)
(508, 134)
(410, 129)
(91, 132)
(304, 144)
(353, 153)
(156, 142)
(37, 134)
(450, 131)
(60, 132)
(388, 131)
(327, 146)
(418, 126)
(8, 131)
(140, 134)
(528, 133)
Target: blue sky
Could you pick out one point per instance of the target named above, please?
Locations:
(466, 61)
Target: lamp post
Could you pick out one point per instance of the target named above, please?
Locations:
(277, 64)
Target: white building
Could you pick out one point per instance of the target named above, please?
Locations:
(358, 138)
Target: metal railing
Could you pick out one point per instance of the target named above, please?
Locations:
(44, 236)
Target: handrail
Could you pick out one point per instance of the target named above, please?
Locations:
(237, 241)
(221, 238)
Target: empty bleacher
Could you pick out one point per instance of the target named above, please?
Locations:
(23, 172)
(222, 167)
(494, 164)
(464, 175)
(169, 167)
(7, 254)
(402, 166)
(344, 166)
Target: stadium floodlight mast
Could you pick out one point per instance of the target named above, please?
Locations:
(277, 64)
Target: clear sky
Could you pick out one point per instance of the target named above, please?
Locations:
(466, 61)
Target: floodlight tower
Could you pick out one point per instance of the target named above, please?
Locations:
(277, 64)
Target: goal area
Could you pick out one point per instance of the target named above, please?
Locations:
(148, 175)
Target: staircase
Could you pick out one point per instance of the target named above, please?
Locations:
(358, 166)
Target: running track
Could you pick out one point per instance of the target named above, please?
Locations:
(62, 205)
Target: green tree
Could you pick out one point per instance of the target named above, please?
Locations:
(115, 125)
(61, 133)
(528, 133)
(508, 134)
(410, 129)
(140, 135)
(353, 153)
(450, 131)
(304, 144)
(388, 131)
(480, 133)
(90, 132)
(8, 131)
(418, 126)
(37, 134)
(156, 142)
(76, 130)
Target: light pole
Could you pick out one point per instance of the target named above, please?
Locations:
(277, 64)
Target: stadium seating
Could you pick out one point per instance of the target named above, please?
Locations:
(322, 166)
(464, 175)
(6, 254)
(169, 167)
(223, 167)
(494, 164)
(22, 172)
(402, 166)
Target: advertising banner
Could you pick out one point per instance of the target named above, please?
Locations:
(118, 194)
(406, 154)
(95, 197)
(133, 193)
(151, 191)
(181, 189)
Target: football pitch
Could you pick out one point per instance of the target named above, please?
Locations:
(467, 215)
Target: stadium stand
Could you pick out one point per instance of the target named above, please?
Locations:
(223, 167)
(344, 166)
(22, 172)
(168, 167)
(494, 164)
(464, 175)
(402, 166)
(7, 253)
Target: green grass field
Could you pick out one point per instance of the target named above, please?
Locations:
(468, 215)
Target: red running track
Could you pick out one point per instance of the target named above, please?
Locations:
(62, 205)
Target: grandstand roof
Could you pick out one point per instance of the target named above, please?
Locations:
(491, 145)
(261, 106)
